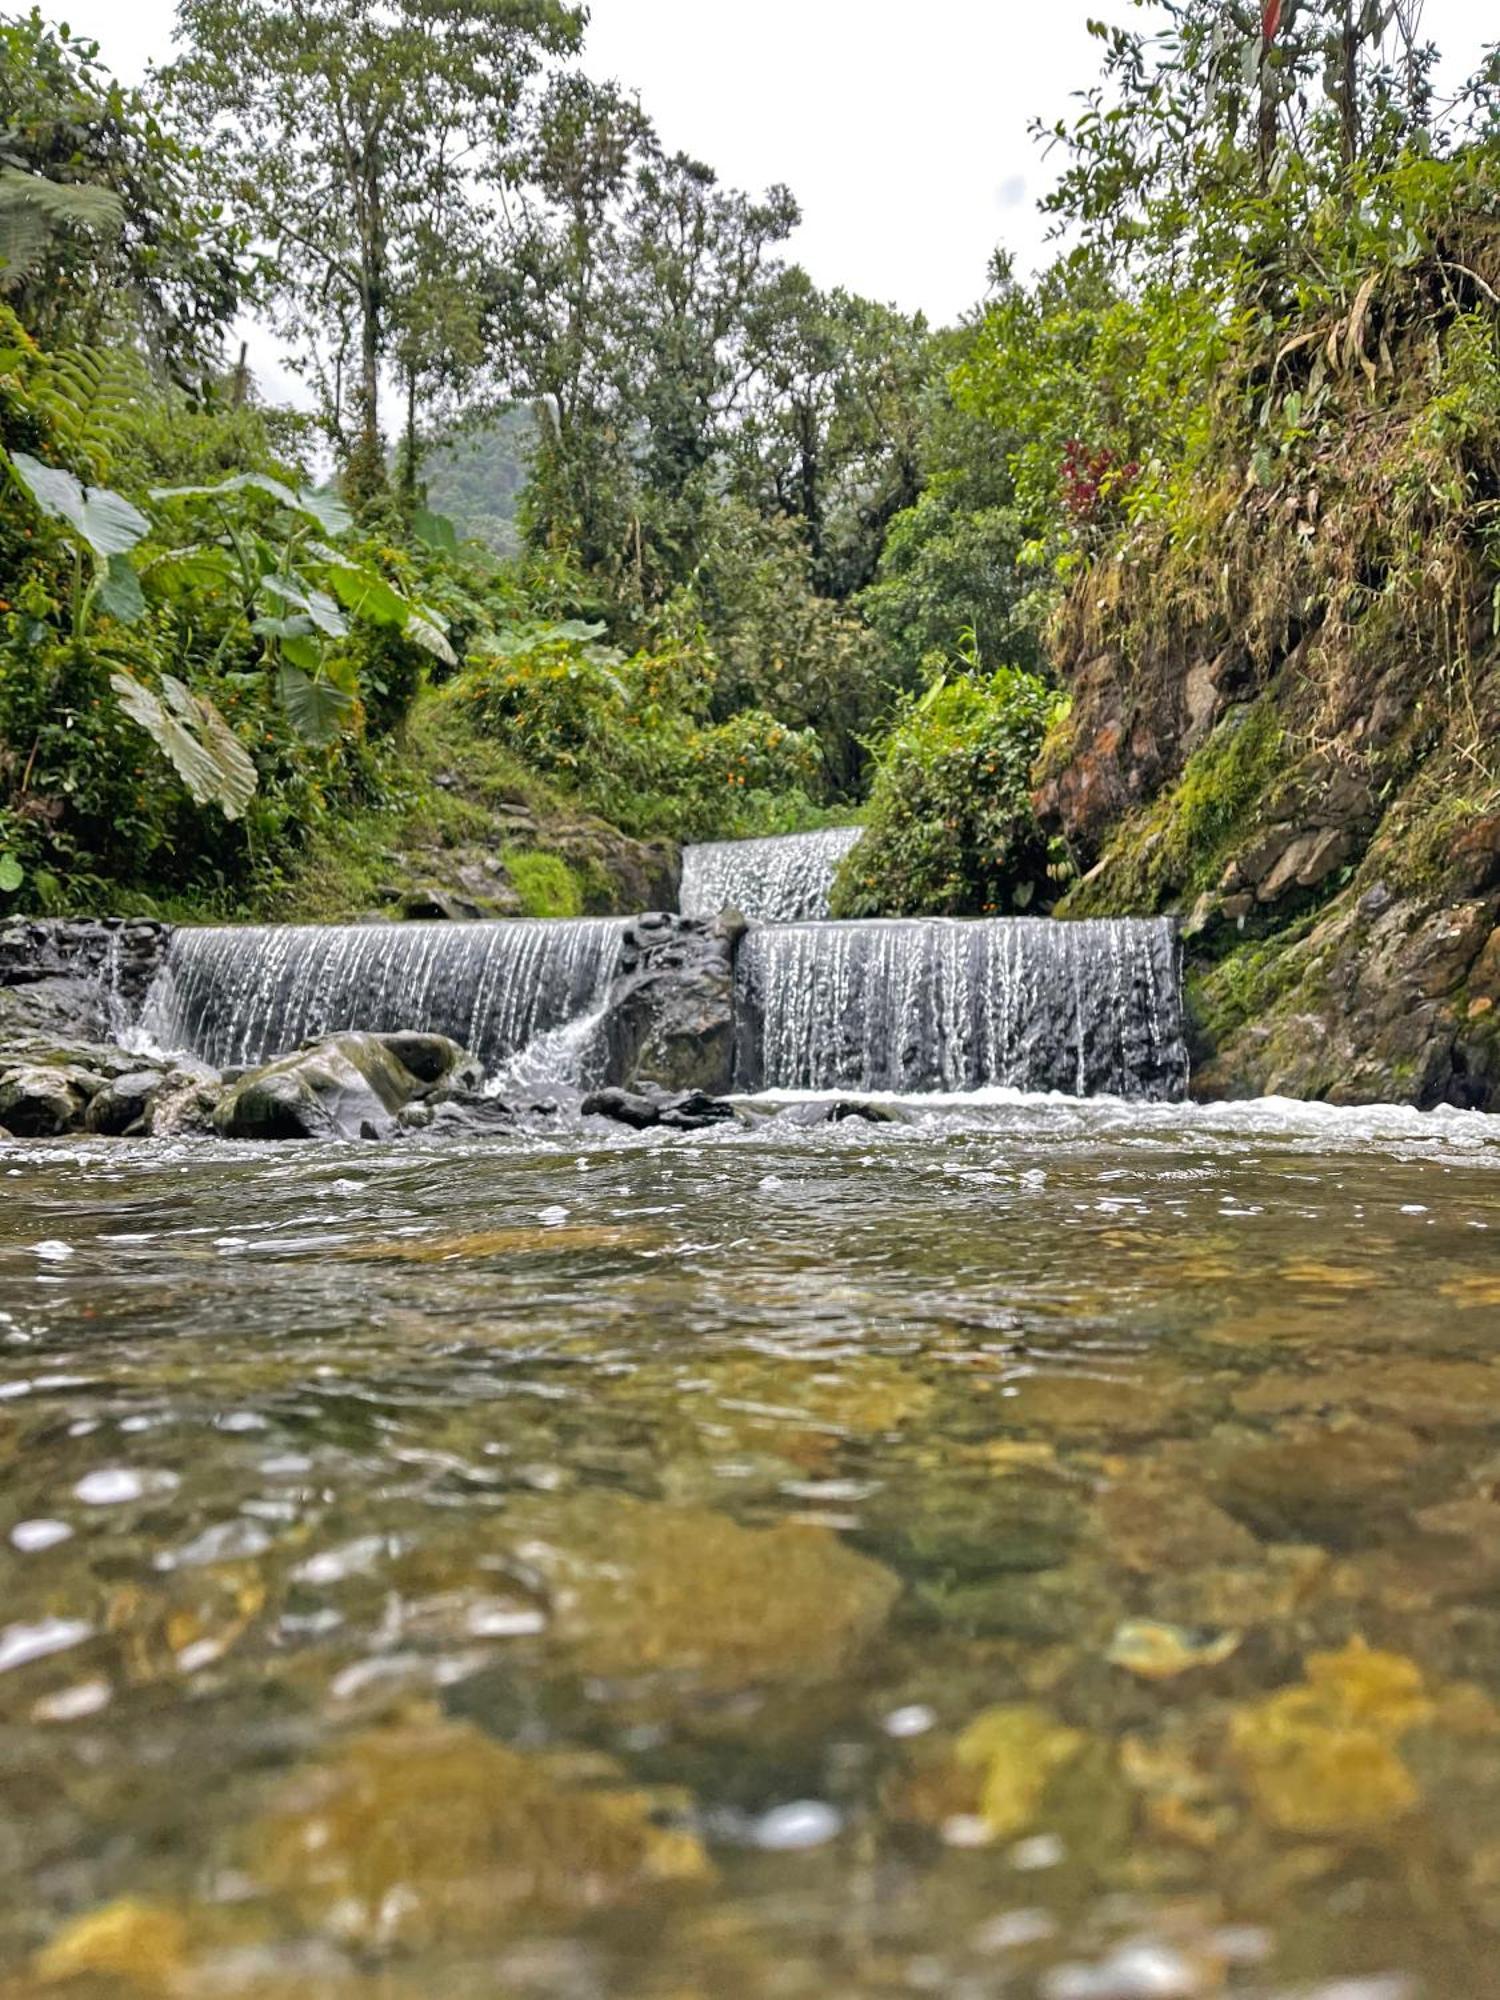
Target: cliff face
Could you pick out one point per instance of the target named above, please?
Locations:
(1285, 722)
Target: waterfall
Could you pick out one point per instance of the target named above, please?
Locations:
(782, 880)
(249, 993)
(931, 1004)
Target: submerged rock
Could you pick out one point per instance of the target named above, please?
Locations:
(350, 1086)
(684, 1111)
(430, 1831)
(639, 1588)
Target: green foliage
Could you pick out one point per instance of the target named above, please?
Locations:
(1220, 784)
(950, 830)
(630, 736)
(545, 883)
(108, 234)
(778, 645)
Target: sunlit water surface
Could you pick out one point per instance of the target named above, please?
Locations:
(1043, 1550)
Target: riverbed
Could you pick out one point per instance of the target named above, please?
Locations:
(1040, 1548)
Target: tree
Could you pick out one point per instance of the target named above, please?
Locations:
(623, 319)
(353, 135)
(106, 232)
(1216, 135)
(832, 433)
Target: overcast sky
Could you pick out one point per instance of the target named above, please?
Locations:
(901, 129)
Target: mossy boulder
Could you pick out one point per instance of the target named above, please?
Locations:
(349, 1086)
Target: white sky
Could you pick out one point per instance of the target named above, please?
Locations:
(901, 129)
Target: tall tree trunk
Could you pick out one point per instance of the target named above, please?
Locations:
(409, 452)
(1348, 74)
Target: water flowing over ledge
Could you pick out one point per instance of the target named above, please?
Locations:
(928, 1004)
(245, 994)
(785, 879)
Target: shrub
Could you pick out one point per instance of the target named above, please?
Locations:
(631, 739)
(950, 830)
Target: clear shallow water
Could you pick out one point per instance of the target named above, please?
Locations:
(1051, 1549)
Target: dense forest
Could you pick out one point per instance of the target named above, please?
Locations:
(607, 525)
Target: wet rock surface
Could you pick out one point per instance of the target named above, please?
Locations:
(682, 1111)
(350, 1086)
(670, 1023)
(1334, 854)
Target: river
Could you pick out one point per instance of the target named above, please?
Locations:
(1040, 1548)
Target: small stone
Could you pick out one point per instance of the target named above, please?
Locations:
(118, 1485)
(31, 1537)
(793, 1829)
(21, 1644)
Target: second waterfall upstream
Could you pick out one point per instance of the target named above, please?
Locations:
(784, 879)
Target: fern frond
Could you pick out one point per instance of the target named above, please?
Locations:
(35, 212)
(91, 396)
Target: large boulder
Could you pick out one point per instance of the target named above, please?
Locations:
(670, 1024)
(42, 1102)
(350, 1086)
(122, 1109)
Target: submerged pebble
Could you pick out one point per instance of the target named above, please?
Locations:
(792, 1828)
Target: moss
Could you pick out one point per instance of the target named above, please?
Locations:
(545, 883)
(1220, 786)
(1243, 985)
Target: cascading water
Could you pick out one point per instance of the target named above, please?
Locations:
(930, 1004)
(785, 879)
(250, 993)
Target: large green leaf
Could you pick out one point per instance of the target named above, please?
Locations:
(315, 707)
(105, 520)
(12, 874)
(366, 594)
(120, 593)
(318, 606)
(319, 505)
(436, 530)
(241, 482)
(423, 632)
(202, 566)
(195, 739)
(326, 508)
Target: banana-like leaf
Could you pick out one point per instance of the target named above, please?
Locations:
(195, 739)
(120, 593)
(421, 630)
(329, 512)
(316, 708)
(242, 482)
(316, 604)
(105, 520)
(326, 508)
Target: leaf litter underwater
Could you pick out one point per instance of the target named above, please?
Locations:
(1040, 1549)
